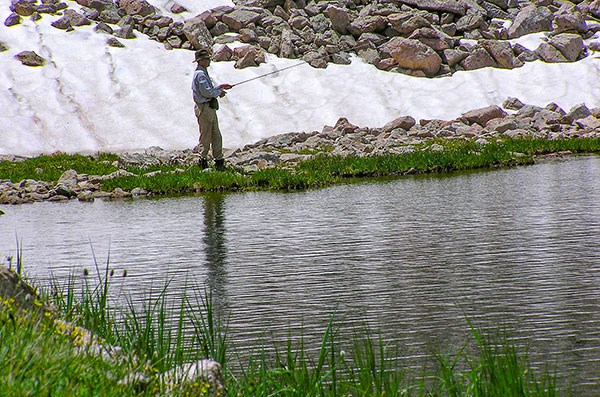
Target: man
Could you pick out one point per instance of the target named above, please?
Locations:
(205, 96)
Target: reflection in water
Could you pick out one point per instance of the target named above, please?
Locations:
(215, 247)
(411, 257)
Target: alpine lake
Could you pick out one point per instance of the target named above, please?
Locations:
(415, 258)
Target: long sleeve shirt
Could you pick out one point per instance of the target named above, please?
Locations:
(203, 88)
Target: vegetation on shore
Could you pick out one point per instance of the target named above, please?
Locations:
(48, 358)
(436, 156)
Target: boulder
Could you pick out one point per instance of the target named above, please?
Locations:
(478, 58)
(339, 18)
(137, 7)
(570, 45)
(433, 38)
(406, 23)
(12, 20)
(240, 18)
(565, 47)
(579, 111)
(24, 8)
(405, 123)
(197, 34)
(570, 22)
(30, 58)
(71, 18)
(367, 24)
(483, 115)
(413, 55)
(531, 19)
(502, 53)
(452, 6)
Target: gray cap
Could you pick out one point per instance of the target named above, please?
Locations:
(201, 54)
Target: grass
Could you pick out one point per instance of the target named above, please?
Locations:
(50, 168)
(319, 171)
(43, 357)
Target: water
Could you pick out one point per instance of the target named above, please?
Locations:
(413, 257)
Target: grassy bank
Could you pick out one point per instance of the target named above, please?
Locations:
(322, 170)
(45, 357)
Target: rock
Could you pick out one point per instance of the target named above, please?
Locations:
(414, 55)
(367, 24)
(570, 23)
(197, 34)
(30, 58)
(224, 53)
(512, 103)
(62, 190)
(339, 18)
(502, 53)
(24, 8)
(452, 6)
(483, 115)
(119, 193)
(590, 123)
(478, 58)
(470, 22)
(178, 8)
(454, 56)
(240, 18)
(12, 20)
(113, 42)
(579, 111)
(405, 123)
(570, 45)
(405, 23)
(565, 47)
(137, 7)
(531, 19)
(71, 18)
(433, 38)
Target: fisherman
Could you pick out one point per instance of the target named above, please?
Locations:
(205, 96)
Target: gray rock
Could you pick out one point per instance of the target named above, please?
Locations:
(483, 115)
(197, 34)
(531, 19)
(12, 20)
(478, 58)
(30, 58)
(579, 111)
(502, 53)
(512, 103)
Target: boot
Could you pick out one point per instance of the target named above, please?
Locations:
(220, 165)
(203, 163)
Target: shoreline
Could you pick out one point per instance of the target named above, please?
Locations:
(304, 160)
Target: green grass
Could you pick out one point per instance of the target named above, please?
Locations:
(50, 168)
(319, 171)
(161, 332)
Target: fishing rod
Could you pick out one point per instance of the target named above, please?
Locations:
(355, 48)
(268, 74)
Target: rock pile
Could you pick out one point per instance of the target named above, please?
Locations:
(405, 134)
(402, 135)
(421, 38)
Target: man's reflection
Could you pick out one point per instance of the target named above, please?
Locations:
(214, 243)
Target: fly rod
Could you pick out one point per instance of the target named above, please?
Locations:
(270, 73)
(355, 48)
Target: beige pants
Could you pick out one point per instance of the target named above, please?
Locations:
(210, 135)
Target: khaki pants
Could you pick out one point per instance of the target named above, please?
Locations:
(210, 135)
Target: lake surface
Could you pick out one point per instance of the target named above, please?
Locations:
(515, 249)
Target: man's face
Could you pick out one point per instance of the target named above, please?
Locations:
(204, 62)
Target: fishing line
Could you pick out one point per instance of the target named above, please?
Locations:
(355, 48)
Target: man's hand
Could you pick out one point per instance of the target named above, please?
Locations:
(225, 86)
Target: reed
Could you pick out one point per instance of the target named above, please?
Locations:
(160, 332)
